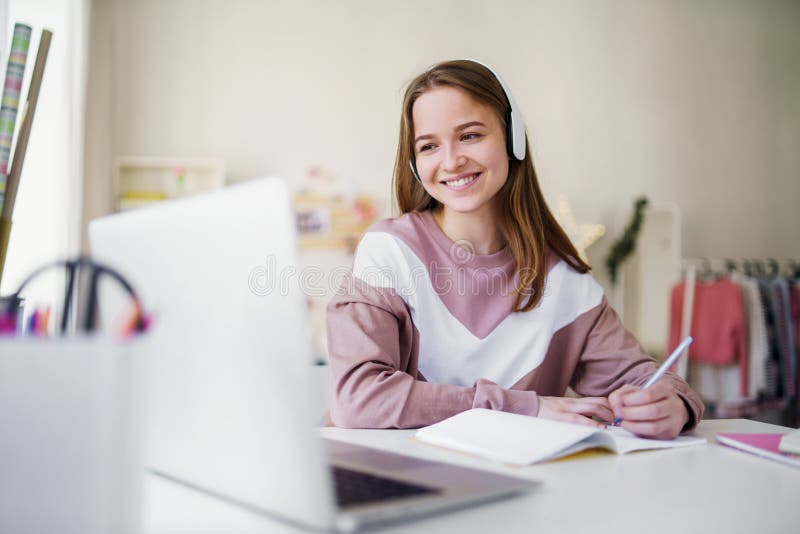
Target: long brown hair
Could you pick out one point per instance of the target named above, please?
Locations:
(526, 222)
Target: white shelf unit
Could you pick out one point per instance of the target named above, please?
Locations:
(140, 181)
(648, 275)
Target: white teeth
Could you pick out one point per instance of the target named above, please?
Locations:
(462, 181)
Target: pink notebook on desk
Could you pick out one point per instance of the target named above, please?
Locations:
(765, 445)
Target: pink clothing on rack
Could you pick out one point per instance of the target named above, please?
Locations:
(718, 325)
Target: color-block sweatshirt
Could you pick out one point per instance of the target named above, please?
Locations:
(422, 330)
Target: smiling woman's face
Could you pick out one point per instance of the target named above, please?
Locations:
(460, 149)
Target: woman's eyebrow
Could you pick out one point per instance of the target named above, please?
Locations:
(469, 124)
(458, 128)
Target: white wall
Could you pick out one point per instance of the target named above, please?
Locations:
(3, 30)
(691, 102)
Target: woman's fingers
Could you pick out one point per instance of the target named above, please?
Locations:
(576, 410)
(646, 412)
(655, 393)
(633, 396)
(616, 397)
(581, 420)
(589, 407)
(663, 419)
(600, 410)
(602, 401)
(658, 429)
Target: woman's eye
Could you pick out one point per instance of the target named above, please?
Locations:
(470, 136)
(423, 148)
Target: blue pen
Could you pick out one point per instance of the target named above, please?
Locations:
(33, 322)
(663, 368)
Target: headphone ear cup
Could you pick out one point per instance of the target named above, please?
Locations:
(510, 136)
(517, 137)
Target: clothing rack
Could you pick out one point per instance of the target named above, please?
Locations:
(707, 267)
(745, 317)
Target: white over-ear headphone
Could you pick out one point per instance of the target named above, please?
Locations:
(515, 126)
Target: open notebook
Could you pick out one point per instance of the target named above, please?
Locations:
(521, 439)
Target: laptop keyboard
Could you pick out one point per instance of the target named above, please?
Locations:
(355, 487)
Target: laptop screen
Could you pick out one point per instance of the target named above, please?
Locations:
(228, 388)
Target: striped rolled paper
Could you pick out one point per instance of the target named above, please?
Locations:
(15, 72)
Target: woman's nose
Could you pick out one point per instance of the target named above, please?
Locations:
(452, 158)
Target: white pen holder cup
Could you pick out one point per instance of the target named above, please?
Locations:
(70, 452)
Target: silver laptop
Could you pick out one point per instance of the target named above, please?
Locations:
(232, 409)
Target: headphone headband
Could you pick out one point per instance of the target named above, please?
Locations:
(515, 126)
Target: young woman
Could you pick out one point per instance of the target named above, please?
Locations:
(474, 296)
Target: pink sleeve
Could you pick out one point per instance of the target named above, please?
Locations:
(612, 357)
(373, 352)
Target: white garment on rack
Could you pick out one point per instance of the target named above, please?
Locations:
(717, 383)
(757, 348)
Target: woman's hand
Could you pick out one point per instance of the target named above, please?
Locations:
(656, 412)
(576, 410)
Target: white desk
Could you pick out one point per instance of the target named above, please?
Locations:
(707, 488)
